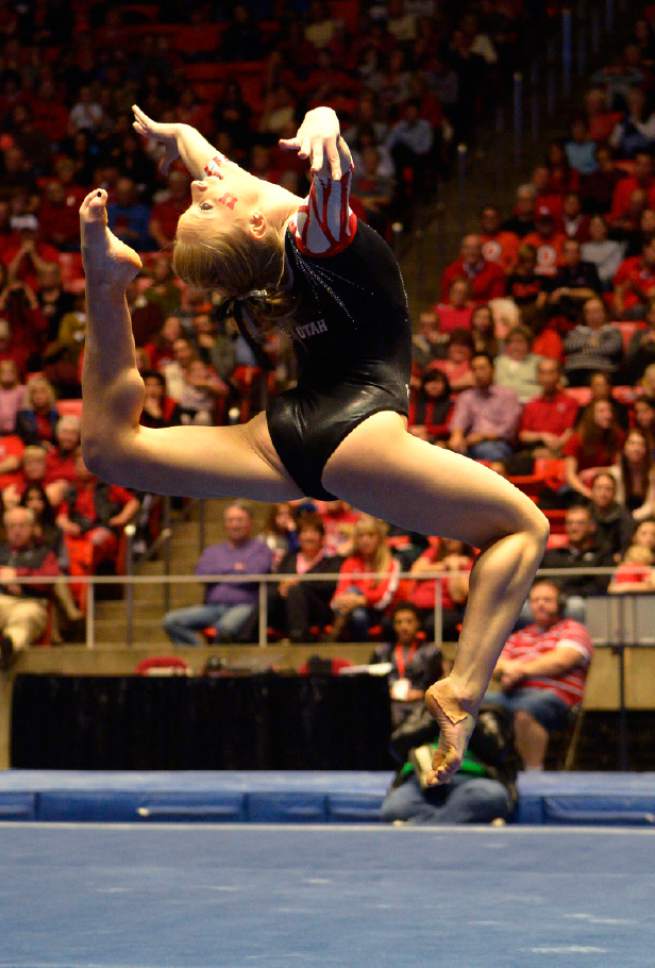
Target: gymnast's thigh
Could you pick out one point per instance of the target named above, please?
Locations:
(206, 462)
(382, 469)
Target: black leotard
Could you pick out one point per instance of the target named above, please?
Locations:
(352, 334)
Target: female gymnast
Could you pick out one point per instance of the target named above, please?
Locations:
(336, 287)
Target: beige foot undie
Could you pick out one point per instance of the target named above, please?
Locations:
(108, 262)
(455, 728)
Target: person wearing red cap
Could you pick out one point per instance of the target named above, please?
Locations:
(486, 279)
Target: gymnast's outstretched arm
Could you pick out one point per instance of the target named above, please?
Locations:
(181, 141)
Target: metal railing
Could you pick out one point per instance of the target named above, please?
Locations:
(131, 581)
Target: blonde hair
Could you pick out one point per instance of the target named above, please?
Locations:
(638, 554)
(33, 450)
(368, 523)
(237, 265)
(40, 381)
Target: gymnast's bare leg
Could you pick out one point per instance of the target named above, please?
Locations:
(196, 461)
(434, 491)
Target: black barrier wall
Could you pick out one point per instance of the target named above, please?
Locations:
(262, 722)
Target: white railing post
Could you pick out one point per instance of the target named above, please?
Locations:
(130, 531)
(90, 614)
(263, 614)
(438, 612)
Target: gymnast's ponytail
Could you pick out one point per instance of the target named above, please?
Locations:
(247, 270)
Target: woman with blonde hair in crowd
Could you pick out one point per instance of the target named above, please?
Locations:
(334, 284)
(36, 423)
(360, 603)
(516, 366)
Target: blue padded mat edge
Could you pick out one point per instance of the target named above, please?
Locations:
(297, 797)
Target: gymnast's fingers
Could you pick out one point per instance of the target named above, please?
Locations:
(317, 154)
(291, 144)
(305, 148)
(334, 159)
(344, 151)
(147, 123)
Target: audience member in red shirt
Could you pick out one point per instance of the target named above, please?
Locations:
(431, 407)
(161, 350)
(574, 222)
(446, 555)
(359, 603)
(59, 217)
(547, 421)
(92, 516)
(642, 178)
(61, 460)
(597, 189)
(634, 283)
(28, 255)
(457, 365)
(547, 242)
(50, 112)
(164, 214)
(595, 446)
(457, 311)
(27, 324)
(600, 120)
(498, 245)
(563, 178)
(546, 196)
(32, 471)
(158, 409)
(486, 279)
(635, 573)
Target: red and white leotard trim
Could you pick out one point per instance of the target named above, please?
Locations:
(325, 225)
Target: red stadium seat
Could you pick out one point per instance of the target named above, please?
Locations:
(66, 407)
(556, 540)
(581, 394)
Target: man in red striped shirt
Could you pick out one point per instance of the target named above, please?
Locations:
(542, 671)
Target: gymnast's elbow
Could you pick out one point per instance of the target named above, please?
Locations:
(107, 455)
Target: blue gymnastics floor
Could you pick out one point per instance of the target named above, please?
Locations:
(237, 896)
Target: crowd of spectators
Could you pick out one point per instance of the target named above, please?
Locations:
(408, 79)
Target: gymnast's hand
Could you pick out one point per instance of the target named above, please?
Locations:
(318, 139)
(159, 134)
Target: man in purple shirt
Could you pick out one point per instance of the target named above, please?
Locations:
(228, 607)
(486, 416)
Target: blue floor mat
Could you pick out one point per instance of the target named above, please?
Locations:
(293, 797)
(180, 896)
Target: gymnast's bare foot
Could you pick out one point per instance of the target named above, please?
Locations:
(455, 728)
(108, 262)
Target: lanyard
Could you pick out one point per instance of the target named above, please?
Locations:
(400, 658)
